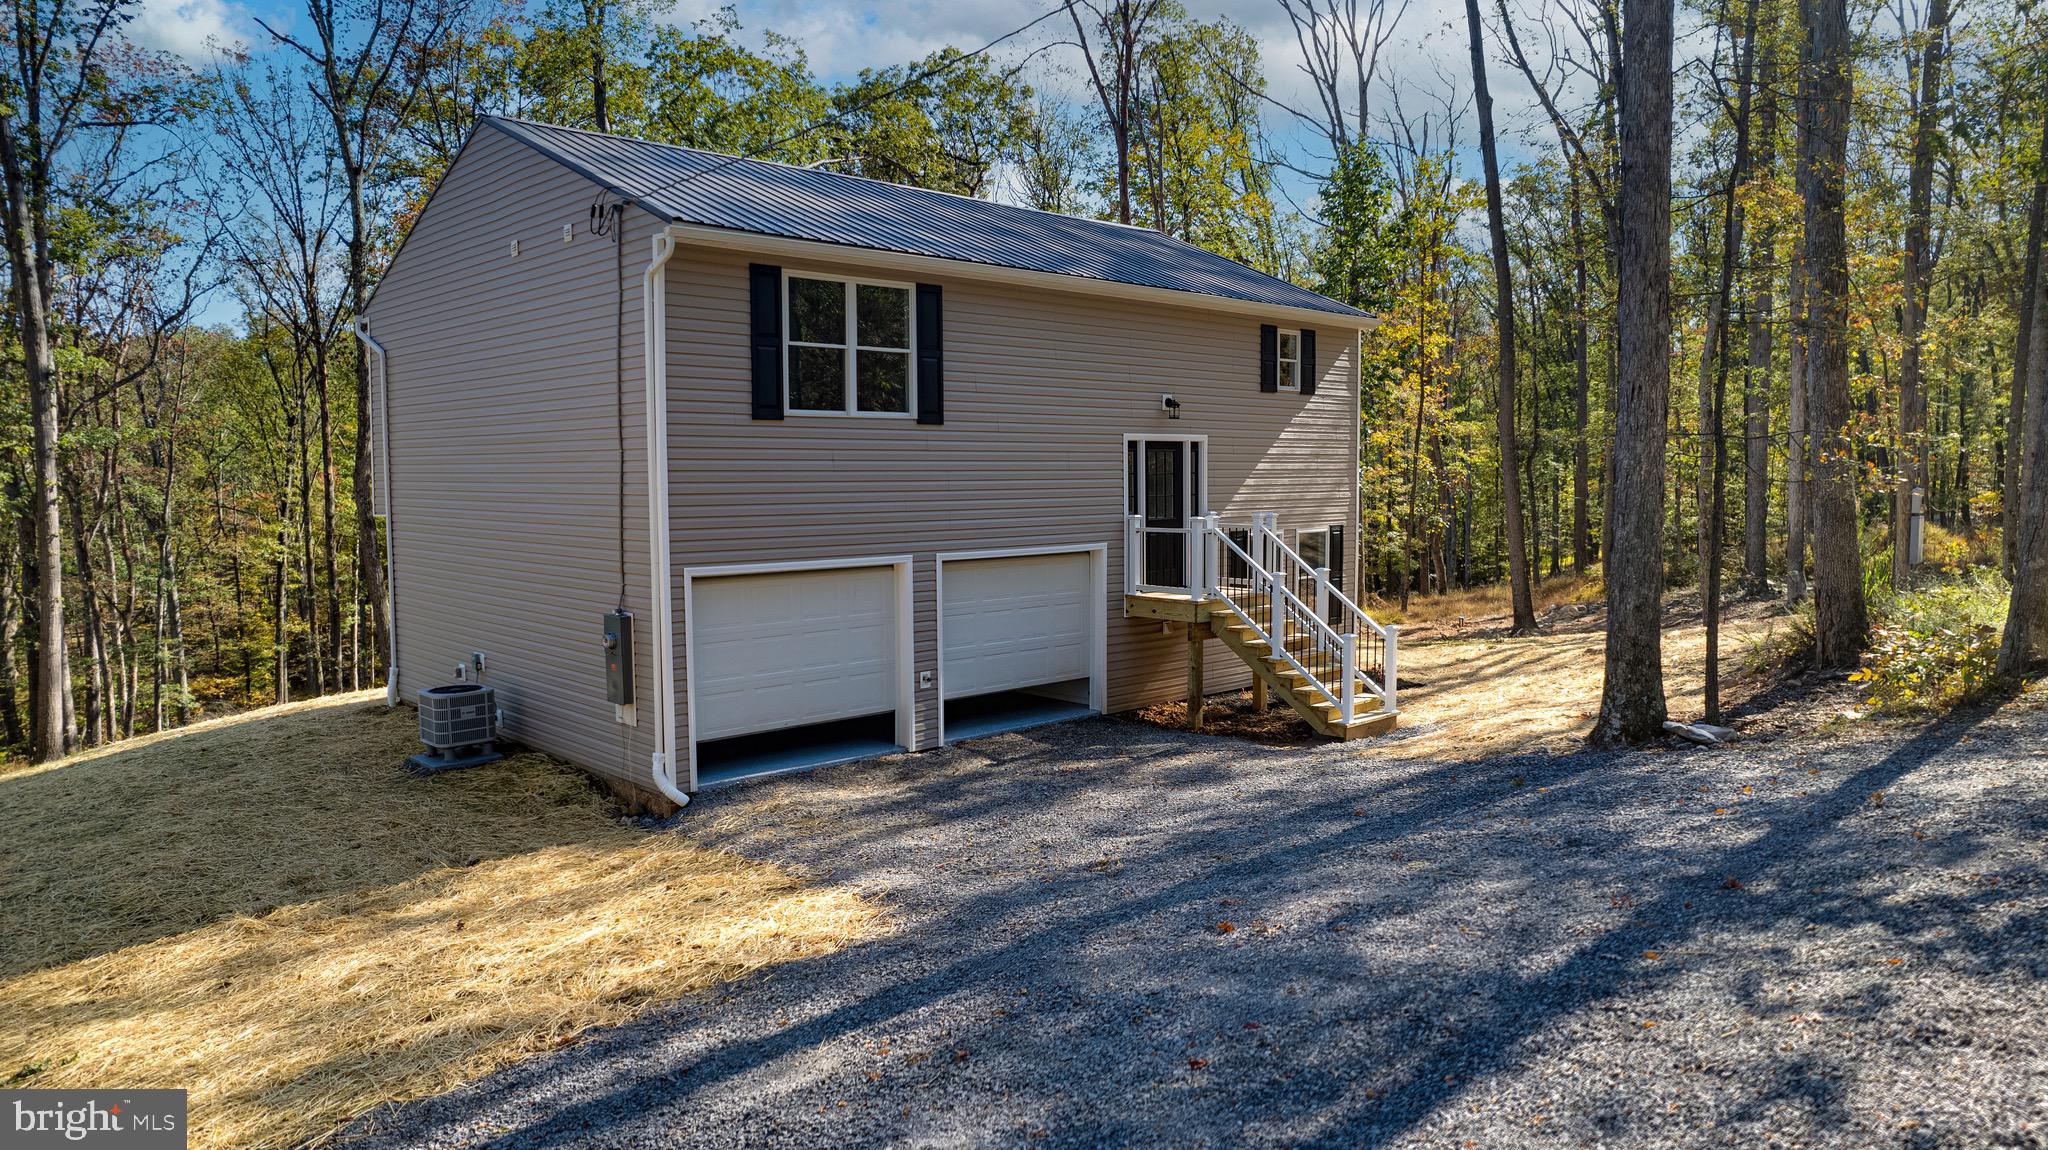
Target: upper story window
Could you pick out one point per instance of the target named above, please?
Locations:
(847, 346)
(1290, 361)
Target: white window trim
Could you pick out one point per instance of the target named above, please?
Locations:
(1281, 360)
(850, 349)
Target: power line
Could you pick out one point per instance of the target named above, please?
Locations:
(837, 118)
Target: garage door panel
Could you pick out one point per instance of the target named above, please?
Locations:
(791, 649)
(1018, 622)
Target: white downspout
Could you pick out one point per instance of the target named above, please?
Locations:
(654, 291)
(383, 449)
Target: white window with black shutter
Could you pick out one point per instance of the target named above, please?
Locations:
(827, 345)
(1287, 359)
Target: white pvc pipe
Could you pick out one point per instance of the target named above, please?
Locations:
(384, 484)
(654, 291)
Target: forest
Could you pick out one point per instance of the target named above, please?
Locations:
(1716, 300)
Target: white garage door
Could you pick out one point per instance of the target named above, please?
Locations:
(1018, 622)
(791, 649)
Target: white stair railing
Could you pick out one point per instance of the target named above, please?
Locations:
(1382, 640)
(1325, 658)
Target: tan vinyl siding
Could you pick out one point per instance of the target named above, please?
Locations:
(1041, 388)
(505, 455)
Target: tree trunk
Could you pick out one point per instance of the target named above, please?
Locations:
(1913, 442)
(2026, 621)
(1504, 324)
(1632, 695)
(2016, 406)
(1842, 625)
(50, 730)
(10, 632)
(1582, 531)
(1756, 394)
(1714, 427)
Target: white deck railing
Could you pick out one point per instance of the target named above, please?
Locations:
(1286, 602)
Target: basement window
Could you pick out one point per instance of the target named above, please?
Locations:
(847, 346)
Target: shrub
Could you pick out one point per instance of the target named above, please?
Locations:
(1908, 669)
(1937, 647)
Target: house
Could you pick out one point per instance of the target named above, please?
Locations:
(905, 447)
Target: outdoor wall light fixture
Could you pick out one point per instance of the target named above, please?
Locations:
(1170, 406)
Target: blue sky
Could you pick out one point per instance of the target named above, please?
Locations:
(1427, 57)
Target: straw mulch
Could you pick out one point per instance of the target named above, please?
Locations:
(267, 911)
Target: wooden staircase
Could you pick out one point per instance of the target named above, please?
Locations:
(1244, 585)
(1295, 688)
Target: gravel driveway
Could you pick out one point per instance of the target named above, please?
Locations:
(1108, 935)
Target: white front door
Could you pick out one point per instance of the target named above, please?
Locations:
(1015, 622)
(792, 648)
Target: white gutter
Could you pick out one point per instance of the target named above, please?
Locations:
(654, 292)
(725, 238)
(383, 451)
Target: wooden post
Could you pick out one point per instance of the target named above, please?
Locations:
(1258, 694)
(1196, 642)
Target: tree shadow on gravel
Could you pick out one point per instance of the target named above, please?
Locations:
(1159, 940)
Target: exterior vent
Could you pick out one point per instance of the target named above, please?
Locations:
(458, 725)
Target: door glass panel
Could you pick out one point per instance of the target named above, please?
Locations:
(1166, 558)
(1165, 502)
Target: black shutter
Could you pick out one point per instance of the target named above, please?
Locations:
(931, 365)
(767, 341)
(1269, 357)
(1308, 361)
(1333, 555)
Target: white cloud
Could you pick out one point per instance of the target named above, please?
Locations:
(189, 28)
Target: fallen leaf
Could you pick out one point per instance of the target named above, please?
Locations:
(1731, 883)
(1225, 927)
(1197, 1063)
(1651, 955)
(960, 1055)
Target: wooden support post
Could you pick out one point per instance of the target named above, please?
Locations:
(1196, 642)
(1258, 694)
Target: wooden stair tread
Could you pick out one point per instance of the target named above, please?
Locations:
(1368, 714)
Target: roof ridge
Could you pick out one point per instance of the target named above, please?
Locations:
(718, 189)
(823, 172)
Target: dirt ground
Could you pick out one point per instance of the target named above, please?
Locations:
(1469, 689)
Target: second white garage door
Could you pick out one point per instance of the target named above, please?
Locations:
(791, 649)
(1015, 622)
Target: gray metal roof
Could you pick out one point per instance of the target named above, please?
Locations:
(713, 190)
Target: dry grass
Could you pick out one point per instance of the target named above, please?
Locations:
(1478, 697)
(1483, 603)
(1471, 698)
(266, 911)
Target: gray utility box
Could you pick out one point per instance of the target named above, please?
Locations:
(618, 657)
(458, 723)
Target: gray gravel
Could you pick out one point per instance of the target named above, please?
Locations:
(1741, 946)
